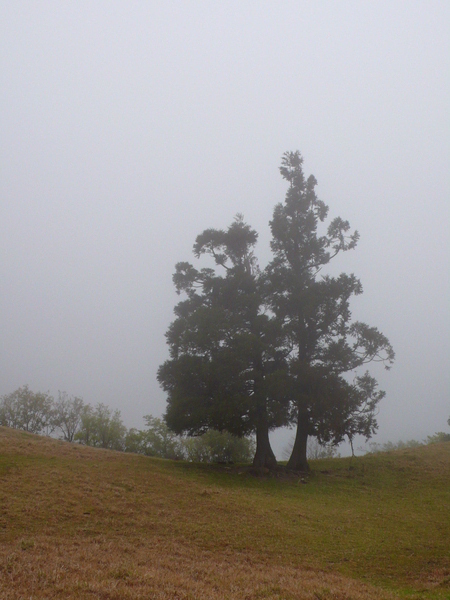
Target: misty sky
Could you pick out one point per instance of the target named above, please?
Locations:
(127, 128)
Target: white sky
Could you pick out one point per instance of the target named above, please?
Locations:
(126, 128)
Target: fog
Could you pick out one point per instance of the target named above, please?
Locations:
(126, 128)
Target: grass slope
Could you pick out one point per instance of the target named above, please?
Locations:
(79, 523)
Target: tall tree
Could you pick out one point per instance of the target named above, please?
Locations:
(224, 363)
(322, 343)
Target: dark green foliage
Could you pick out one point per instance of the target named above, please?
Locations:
(252, 350)
(313, 309)
(224, 362)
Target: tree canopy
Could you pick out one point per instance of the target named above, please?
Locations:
(314, 313)
(223, 349)
(252, 349)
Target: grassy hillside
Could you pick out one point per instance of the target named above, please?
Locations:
(81, 523)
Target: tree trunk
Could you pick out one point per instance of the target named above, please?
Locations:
(298, 460)
(264, 456)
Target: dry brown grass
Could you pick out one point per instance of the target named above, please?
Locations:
(112, 568)
(80, 523)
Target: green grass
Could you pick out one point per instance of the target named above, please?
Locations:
(91, 523)
(384, 518)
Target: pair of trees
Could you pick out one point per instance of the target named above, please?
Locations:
(252, 349)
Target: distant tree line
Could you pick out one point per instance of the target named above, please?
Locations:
(71, 419)
(437, 438)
